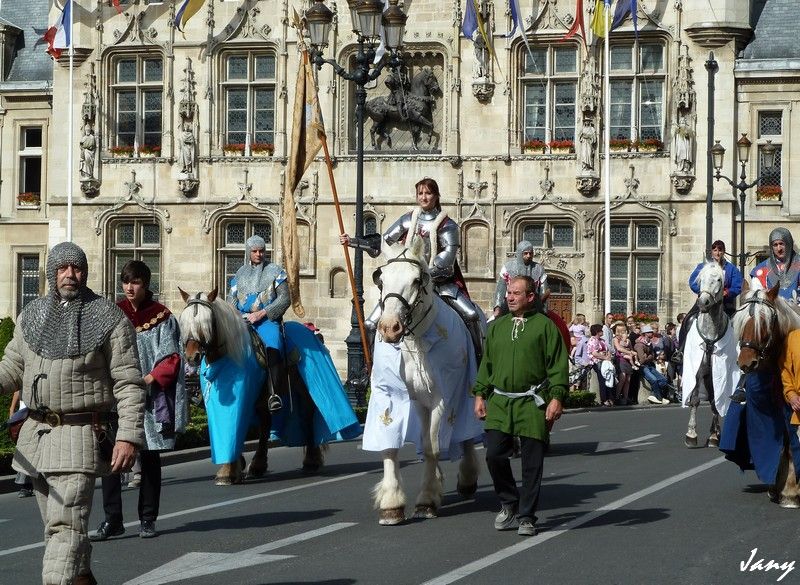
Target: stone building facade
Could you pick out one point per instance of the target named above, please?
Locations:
(180, 144)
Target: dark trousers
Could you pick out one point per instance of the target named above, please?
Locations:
(149, 490)
(499, 448)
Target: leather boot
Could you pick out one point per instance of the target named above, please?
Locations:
(87, 579)
(277, 382)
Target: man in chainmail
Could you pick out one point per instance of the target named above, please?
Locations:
(260, 292)
(74, 357)
(521, 265)
(781, 268)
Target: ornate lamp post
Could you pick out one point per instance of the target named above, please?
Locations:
(743, 149)
(368, 16)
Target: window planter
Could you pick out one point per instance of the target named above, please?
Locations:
(650, 145)
(29, 200)
(769, 193)
(121, 152)
(620, 146)
(233, 150)
(262, 149)
(261, 153)
(562, 147)
(533, 147)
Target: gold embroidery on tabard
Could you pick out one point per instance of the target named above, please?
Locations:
(385, 418)
(152, 323)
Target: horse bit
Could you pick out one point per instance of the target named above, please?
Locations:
(406, 320)
(760, 349)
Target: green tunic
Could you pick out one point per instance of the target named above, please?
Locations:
(516, 358)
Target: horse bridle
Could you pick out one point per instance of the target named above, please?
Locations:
(194, 302)
(750, 305)
(406, 320)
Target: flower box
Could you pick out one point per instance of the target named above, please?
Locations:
(121, 151)
(769, 193)
(233, 150)
(562, 146)
(533, 147)
(619, 145)
(148, 151)
(650, 145)
(29, 199)
(262, 149)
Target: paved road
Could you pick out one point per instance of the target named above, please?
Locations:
(622, 502)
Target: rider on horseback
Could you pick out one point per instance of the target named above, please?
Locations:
(522, 265)
(260, 292)
(442, 240)
(398, 83)
(782, 267)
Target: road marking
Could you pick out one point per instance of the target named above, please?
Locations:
(612, 446)
(573, 428)
(198, 564)
(505, 553)
(224, 503)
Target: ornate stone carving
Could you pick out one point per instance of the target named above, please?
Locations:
(134, 188)
(587, 185)
(90, 182)
(245, 196)
(188, 135)
(590, 87)
(587, 143)
(682, 183)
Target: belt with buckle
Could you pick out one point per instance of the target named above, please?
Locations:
(55, 419)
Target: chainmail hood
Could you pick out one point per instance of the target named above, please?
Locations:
(788, 276)
(55, 329)
(518, 267)
(255, 278)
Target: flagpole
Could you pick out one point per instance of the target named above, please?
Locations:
(607, 174)
(70, 129)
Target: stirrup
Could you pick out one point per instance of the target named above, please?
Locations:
(274, 403)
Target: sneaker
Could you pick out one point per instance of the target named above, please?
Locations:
(147, 529)
(136, 481)
(25, 493)
(506, 519)
(653, 399)
(106, 530)
(526, 527)
(665, 401)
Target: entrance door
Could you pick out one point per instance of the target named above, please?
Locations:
(560, 300)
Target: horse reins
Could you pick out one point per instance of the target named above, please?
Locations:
(203, 303)
(409, 324)
(760, 349)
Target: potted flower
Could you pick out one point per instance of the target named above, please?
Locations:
(262, 149)
(642, 317)
(533, 146)
(619, 144)
(769, 193)
(121, 151)
(149, 151)
(29, 199)
(562, 146)
(650, 145)
(233, 149)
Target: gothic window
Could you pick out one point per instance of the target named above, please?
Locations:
(549, 81)
(232, 233)
(137, 90)
(549, 234)
(248, 97)
(338, 287)
(770, 127)
(475, 250)
(637, 81)
(29, 279)
(134, 239)
(635, 266)
(30, 166)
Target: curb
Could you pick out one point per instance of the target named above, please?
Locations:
(7, 484)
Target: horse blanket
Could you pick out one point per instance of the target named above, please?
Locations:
(753, 432)
(391, 420)
(725, 372)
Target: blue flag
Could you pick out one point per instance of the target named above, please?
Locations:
(625, 8)
(470, 24)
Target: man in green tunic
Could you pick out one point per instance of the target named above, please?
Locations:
(521, 386)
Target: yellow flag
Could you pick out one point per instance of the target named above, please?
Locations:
(601, 21)
(308, 131)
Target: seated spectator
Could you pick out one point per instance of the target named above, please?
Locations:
(659, 385)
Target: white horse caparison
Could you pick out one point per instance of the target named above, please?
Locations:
(711, 329)
(409, 310)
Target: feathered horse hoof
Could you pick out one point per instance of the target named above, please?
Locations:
(392, 516)
(466, 491)
(690, 442)
(425, 511)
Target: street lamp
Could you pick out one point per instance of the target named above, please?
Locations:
(368, 18)
(743, 150)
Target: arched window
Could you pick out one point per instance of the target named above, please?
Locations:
(248, 97)
(635, 265)
(137, 93)
(231, 235)
(337, 288)
(133, 238)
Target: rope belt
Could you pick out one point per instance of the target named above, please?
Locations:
(532, 391)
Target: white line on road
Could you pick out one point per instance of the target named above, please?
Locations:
(573, 428)
(503, 554)
(24, 547)
(644, 438)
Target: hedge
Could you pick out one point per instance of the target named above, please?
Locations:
(6, 445)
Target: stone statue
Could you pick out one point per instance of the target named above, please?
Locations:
(398, 83)
(683, 83)
(588, 141)
(186, 150)
(481, 68)
(88, 150)
(590, 85)
(682, 145)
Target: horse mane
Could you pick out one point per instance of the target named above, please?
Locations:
(231, 328)
(788, 318)
(709, 267)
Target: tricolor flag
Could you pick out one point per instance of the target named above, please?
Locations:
(49, 37)
(188, 9)
(516, 21)
(601, 20)
(577, 24)
(61, 33)
(308, 132)
(473, 21)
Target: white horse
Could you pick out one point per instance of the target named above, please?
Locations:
(423, 355)
(710, 353)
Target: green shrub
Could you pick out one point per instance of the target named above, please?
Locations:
(580, 399)
(6, 446)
